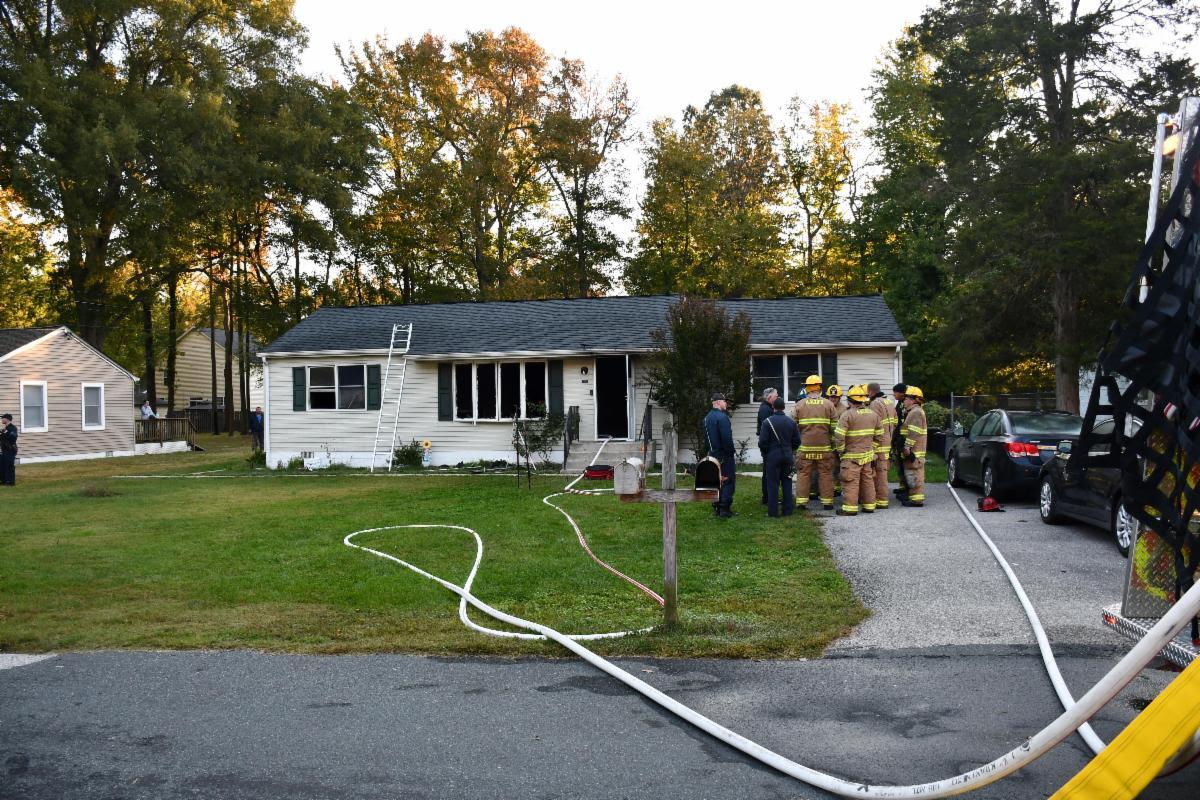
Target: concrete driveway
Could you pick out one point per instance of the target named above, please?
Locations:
(942, 678)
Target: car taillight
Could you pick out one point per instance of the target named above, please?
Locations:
(1018, 449)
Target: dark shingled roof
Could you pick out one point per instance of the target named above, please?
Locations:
(620, 324)
(218, 336)
(12, 338)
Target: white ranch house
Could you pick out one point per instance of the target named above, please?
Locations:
(472, 366)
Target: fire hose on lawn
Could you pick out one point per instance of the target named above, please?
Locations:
(1074, 717)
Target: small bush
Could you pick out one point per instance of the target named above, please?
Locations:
(408, 455)
(936, 414)
(257, 459)
(98, 489)
(295, 464)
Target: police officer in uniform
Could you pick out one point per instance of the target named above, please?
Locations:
(8, 451)
(719, 432)
(778, 438)
(765, 409)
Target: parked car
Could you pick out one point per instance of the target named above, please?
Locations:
(1005, 450)
(1087, 494)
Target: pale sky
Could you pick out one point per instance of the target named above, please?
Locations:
(670, 53)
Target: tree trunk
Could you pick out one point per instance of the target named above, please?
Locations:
(1066, 341)
(172, 334)
(228, 323)
(148, 348)
(580, 256)
(212, 343)
(296, 253)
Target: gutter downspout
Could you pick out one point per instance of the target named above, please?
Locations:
(267, 411)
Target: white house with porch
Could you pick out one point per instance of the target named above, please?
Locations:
(471, 368)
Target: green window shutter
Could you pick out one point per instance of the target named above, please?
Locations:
(829, 368)
(556, 387)
(299, 401)
(445, 398)
(373, 387)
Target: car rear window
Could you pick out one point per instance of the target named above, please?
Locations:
(1055, 424)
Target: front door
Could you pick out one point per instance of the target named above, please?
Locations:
(612, 397)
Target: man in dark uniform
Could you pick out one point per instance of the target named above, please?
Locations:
(765, 409)
(8, 451)
(898, 440)
(719, 432)
(779, 437)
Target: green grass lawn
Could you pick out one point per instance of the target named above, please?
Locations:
(257, 561)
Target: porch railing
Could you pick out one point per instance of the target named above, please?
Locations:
(166, 429)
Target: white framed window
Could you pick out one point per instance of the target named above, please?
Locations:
(499, 390)
(783, 371)
(92, 399)
(34, 414)
(339, 387)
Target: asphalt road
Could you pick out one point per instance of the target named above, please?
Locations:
(941, 679)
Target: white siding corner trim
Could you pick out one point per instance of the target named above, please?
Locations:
(44, 426)
(98, 405)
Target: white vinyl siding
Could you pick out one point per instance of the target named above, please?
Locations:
(92, 397)
(193, 374)
(64, 364)
(354, 432)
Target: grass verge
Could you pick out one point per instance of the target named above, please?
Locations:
(256, 560)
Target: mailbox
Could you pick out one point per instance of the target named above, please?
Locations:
(629, 477)
(708, 474)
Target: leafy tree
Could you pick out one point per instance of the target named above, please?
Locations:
(710, 222)
(582, 128)
(1041, 115)
(27, 297)
(95, 99)
(701, 350)
(819, 153)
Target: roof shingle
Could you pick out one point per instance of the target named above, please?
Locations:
(615, 324)
(12, 338)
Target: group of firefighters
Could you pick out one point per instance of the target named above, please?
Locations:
(852, 444)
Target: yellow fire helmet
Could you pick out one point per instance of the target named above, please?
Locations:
(812, 380)
(915, 391)
(834, 391)
(857, 393)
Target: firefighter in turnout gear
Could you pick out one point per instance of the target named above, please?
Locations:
(815, 417)
(857, 437)
(886, 411)
(915, 431)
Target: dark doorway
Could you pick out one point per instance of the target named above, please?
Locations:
(612, 401)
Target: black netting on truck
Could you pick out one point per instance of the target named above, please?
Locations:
(1155, 440)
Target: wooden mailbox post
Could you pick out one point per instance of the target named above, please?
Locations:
(668, 496)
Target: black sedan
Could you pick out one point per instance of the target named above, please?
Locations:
(1005, 450)
(1087, 494)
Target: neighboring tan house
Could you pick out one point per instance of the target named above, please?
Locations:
(67, 399)
(472, 366)
(193, 370)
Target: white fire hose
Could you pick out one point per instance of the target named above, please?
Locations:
(1073, 717)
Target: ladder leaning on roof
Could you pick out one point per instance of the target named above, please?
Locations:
(404, 331)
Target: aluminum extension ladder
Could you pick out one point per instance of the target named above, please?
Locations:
(404, 333)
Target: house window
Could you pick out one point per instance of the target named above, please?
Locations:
(93, 406)
(464, 391)
(352, 386)
(535, 389)
(33, 407)
(768, 373)
(504, 391)
(799, 367)
(786, 373)
(485, 391)
(343, 387)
